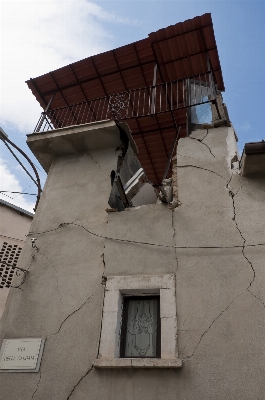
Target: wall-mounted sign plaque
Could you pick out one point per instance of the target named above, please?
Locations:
(21, 355)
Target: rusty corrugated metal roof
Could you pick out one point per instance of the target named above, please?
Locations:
(179, 51)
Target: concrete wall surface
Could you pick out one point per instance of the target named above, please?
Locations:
(210, 242)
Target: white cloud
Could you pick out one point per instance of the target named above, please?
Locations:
(39, 36)
(9, 182)
(245, 127)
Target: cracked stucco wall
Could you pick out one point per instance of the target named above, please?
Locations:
(220, 305)
(205, 242)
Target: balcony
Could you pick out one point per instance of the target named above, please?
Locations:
(143, 102)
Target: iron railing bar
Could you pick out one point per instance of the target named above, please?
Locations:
(51, 116)
(56, 118)
(171, 100)
(200, 86)
(67, 124)
(149, 102)
(37, 124)
(194, 91)
(166, 97)
(133, 103)
(45, 123)
(92, 108)
(160, 99)
(205, 83)
(103, 109)
(98, 109)
(72, 117)
(88, 117)
(86, 113)
(82, 113)
(183, 93)
(139, 96)
(65, 113)
(129, 102)
(81, 120)
(177, 94)
(49, 122)
(143, 103)
(153, 106)
(79, 114)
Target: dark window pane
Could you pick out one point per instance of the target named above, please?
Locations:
(141, 327)
(199, 93)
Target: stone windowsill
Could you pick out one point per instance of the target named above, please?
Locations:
(138, 363)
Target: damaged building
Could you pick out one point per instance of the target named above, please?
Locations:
(145, 258)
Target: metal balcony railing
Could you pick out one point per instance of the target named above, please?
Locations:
(136, 103)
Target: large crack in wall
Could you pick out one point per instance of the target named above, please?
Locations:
(80, 380)
(202, 142)
(233, 196)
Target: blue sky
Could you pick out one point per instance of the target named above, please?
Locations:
(42, 35)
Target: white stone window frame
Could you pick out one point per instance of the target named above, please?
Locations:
(140, 285)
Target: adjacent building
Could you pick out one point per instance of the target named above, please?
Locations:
(14, 226)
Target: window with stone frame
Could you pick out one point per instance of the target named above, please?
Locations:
(139, 323)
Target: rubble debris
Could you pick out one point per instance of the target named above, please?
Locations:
(166, 190)
(234, 160)
(109, 210)
(175, 202)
